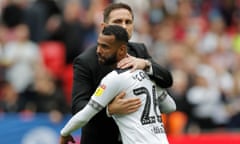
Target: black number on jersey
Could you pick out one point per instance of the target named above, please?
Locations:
(146, 118)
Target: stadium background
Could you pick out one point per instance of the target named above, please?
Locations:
(197, 40)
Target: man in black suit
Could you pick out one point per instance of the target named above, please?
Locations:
(88, 73)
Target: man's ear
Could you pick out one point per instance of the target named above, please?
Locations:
(123, 49)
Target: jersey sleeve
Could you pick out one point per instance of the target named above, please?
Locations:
(109, 87)
(106, 91)
(166, 102)
(78, 120)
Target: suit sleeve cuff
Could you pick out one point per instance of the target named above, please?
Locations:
(148, 69)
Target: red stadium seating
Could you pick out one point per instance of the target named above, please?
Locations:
(53, 54)
(67, 80)
(211, 138)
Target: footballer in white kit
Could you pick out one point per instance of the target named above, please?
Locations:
(144, 126)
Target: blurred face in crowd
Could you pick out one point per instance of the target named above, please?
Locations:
(3, 33)
(121, 17)
(22, 32)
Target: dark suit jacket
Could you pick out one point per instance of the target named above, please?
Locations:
(87, 75)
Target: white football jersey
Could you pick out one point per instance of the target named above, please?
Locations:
(144, 126)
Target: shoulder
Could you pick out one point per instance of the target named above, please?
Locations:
(119, 71)
(87, 59)
(116, 74)
(138, 50)
(136, 45)
(89, 55)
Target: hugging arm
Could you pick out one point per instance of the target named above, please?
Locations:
(77, 121)
(142, 60)
(160, 75)
(98, 101)
(165, 101)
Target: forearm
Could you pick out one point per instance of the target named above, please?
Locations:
(167, 104)
(78, 120)
(161, 76)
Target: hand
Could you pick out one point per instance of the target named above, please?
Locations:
(66, 139)
(131, 61)
(121, 105)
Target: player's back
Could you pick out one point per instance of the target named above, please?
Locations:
(145, 125)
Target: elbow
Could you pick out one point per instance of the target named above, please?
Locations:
(165, 79)
(173, 108)
(170, 109)
(169, 81)
(168, 106)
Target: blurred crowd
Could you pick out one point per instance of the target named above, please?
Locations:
(197, 40)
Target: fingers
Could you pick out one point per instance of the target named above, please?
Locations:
(126, 62)
(133, 108)
(132, 105)
(133, 62)
(121, 95)
(134, 67)
(72, 140)
(134, 100)
(66, 139)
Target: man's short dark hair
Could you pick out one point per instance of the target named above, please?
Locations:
(114, 6)
(119, 32)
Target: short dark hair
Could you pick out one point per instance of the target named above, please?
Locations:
(119, 32)
(114, 6)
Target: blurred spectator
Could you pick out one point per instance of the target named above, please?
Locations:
(46, 96)
(208, 109)
(234, 98)
(236, 33)
(71, 31)
(37, 15)
(162, 35)
(179, 90)
(183, 18)
(22, 57)
(3, 32)
(10, 101)
(12, 14)
(227, 7)
(215, 35)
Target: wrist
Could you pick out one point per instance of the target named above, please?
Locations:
(148, 65)
(108, 111)
(63, 133)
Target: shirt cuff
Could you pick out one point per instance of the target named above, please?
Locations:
(108, 112)
(149, 69)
